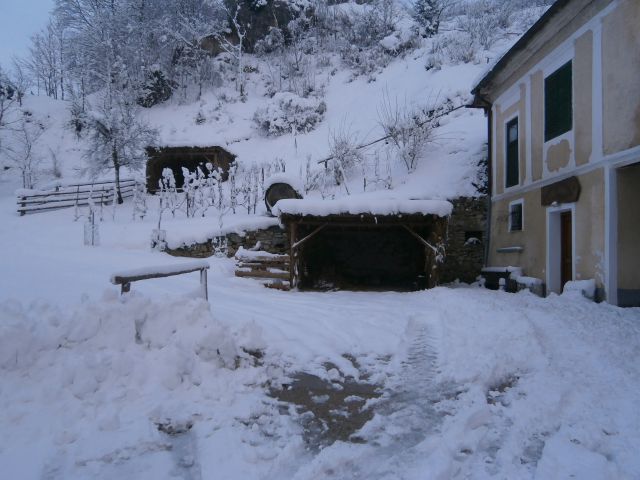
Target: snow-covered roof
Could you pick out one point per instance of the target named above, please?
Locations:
(362, 206)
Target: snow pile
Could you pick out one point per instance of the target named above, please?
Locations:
(357, 206)
(586, 288)
(474, 383)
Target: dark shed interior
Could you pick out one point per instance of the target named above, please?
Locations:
(190, 158)
(392, 252)
(364, 257)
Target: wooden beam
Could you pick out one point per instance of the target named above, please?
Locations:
(300, 242)
(420, 239)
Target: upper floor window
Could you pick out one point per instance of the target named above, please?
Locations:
(558, 107)
(512, 153)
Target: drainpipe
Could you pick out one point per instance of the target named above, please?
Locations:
(487, 245)
(481, 101)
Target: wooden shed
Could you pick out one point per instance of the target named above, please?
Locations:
(190, 158)
(365, 244)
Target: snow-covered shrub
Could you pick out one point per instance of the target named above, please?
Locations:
(483, 22)
(461, 49)
(288, 113)
(139, 200)
(406, 128)
(169, 197)
(344, 155)
(271, 42)
(451, 48)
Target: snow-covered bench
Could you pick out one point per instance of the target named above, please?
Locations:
(124, 278)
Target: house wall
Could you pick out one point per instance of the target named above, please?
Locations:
(621, 79)
(602, 39)
(589, 231)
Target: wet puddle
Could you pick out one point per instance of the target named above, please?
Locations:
(329, 410)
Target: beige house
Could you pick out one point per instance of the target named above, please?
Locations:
(563, 108)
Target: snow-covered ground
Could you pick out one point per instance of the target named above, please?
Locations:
(473, 383)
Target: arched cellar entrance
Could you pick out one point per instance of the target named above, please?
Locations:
(190, 158)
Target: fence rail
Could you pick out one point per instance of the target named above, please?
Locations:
(72, 195)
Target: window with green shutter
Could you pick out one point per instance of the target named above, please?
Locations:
(512, 153)
(558, 106)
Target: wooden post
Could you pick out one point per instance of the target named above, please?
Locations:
(203, 284)
(23, 204)
(293, 256)
(436, 258)
(125, 288)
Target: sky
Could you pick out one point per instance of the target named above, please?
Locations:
(18, 21)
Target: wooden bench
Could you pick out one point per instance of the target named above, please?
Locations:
(125, 278)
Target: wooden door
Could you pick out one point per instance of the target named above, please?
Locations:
(566, 250)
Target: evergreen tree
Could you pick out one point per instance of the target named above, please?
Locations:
(427, 14)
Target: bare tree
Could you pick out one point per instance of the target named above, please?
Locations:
(235, 48)
(118, 137)
(20, 150)
(408, 129)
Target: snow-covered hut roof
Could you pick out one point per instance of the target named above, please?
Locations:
(362, 206)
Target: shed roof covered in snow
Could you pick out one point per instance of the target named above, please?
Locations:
(362, 206)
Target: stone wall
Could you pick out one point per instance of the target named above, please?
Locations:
(466, 240)
(273, 240)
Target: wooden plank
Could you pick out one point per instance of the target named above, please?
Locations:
(263, 259)
(120, 279)
(46, 206)
(74, 191)
(263, 265)
(262, 274)
(107, 195)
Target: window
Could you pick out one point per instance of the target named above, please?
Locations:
(512, 153)
(558, 108)
(515, 216)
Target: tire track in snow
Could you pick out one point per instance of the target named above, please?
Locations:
(407, 415)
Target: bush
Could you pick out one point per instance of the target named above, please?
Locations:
(287, 113)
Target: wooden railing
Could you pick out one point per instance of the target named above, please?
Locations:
(125, 278)
(71, 195)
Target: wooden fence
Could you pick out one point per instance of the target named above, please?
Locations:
(72, 195)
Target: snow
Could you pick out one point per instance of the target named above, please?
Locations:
(527, 281)
(581, 287)
(510, 269)
(356, 206)
(474, 383)
(284, 178)
(244, 254)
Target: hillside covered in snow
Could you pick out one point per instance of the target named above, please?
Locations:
(331, 79)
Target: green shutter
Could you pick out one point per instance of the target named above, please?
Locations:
(512, 153)
(558, 102)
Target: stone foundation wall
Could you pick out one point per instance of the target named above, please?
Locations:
(273, 240)
(467, 237)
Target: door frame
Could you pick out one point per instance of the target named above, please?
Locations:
(554, 267)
